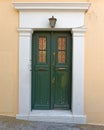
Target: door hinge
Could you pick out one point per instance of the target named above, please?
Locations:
(30, 65)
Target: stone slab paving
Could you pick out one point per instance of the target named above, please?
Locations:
(10, 123)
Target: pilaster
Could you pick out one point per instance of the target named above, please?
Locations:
(78, 71)
(25, 36)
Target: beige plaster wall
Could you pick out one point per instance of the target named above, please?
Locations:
(8, 58)
(94, 59)
(94, 63)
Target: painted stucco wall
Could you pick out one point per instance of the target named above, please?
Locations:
(94, 59)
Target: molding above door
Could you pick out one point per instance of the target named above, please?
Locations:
(35, 16)
(81, 6)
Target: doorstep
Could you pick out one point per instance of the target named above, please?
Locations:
(59, 116)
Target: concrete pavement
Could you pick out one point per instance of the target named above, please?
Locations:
(10, 123)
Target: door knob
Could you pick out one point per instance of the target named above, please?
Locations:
(54, 53)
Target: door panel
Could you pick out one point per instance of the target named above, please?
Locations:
(61, 99)
(51, 70)
(62, 86)
(41, 71)
(42, 89)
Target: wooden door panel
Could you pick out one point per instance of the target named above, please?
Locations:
(61, 100)
(42, 89)
(51, 70)
(62, 95)
(41, 70)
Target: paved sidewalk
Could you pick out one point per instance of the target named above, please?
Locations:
(10, 123)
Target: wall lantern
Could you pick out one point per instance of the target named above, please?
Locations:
(52, 21)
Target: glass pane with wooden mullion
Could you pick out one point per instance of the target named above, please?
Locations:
(61, 43)
(61, 56)
(42, 57)
(42, 43)
(42, 50)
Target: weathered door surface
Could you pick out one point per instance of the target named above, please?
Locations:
(51, 70)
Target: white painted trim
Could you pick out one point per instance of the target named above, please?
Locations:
(25, 32)
(78, 32)
(52, 6)
(78, 71)
(25, 38)
(29, 21)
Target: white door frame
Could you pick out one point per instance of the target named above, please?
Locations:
(33, 16)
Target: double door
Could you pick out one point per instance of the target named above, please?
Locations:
(51, 70)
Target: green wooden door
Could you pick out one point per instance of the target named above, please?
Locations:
(51, 70)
